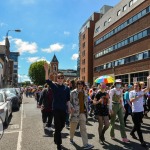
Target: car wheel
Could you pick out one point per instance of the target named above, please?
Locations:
(6, 120)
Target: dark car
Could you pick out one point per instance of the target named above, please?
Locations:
(14, 99)
(14, 91)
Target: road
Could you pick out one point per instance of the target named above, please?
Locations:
(25, 132)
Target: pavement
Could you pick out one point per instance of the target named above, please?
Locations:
(25, 132)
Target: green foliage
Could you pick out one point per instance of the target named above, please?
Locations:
(37, 72)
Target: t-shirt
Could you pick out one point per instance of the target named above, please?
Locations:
(101, 108)
(137, 105)
(126, 97)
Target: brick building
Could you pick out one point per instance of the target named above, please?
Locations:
(85, 60)
(122, 42)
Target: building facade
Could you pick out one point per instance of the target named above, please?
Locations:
(85, 60)
(122, 42)
(14, 56)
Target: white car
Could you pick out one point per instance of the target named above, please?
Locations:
(5, 108)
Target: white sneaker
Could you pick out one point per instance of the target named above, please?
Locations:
(77, 130)
(49, 128)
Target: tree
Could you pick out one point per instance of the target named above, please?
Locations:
(37, 72)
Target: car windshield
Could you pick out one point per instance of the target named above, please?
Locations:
(10, 90)
(8, 94)
(1, 98)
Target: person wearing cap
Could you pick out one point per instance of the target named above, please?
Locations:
(127, 103)
(116, 107)
(61, 104)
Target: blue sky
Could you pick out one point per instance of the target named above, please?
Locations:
(47, 27)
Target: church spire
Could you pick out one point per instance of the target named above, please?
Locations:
(54, 59)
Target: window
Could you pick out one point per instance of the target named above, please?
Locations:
(83, 44)
(83, 36)
(97, 29)
(124, 8)
(116, 63)
(135, 18)
(143, 12)
(135, 37)
(15, 71)
(131, 3)
(144, 33)
(131, 39)
(15, 66)
(109, 20)
(119, 12)
(146, 54)
(139, 15)
(105, 23)
(132, 58)
(140, 56)
(140, 35)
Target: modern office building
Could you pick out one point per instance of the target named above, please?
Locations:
(14, 56)
(85, 60)
(122, 42)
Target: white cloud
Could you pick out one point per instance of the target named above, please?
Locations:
(66, 33)
(23, 77)
(35, 59)
(24, 46)
(74, 46)
(75, 56)
(54, 48)
(32, 59)
(75, 67)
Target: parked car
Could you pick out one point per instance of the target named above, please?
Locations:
(14, 91)
(14, 99)
(5, 108)
(20, 94)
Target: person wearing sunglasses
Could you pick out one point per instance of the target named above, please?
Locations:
(61, 102)
(79, 107)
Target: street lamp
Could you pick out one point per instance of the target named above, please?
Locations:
(17, 30)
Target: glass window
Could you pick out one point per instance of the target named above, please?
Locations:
(15, 66)
(116, 46)
(116, 63)
(131, 3)
(131, 39)
(139, 15)
(135, 37)
(122, 43)
(144, 12)
(109, 65)
(140, 35)
(144, 33)
(125, 24)
(105, 23)
(118, 13)
(109, 19)
(125, 42)
(132, 58)
(127, 60)
(97, 29)
(124, 8)
(135, 18)
(140, 56)
(119, 45)
(146, 55)
(130, 20)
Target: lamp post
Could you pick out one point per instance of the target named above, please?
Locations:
(17, 30)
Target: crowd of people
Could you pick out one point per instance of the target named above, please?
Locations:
(71, 103)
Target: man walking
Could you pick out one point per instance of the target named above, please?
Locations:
(45, 102)
(79, 106)
(61, 103)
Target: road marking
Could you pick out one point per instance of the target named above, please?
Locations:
(20, 132)
(15, 126)
(12, 132)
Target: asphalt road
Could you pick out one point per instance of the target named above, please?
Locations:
(25, 132)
